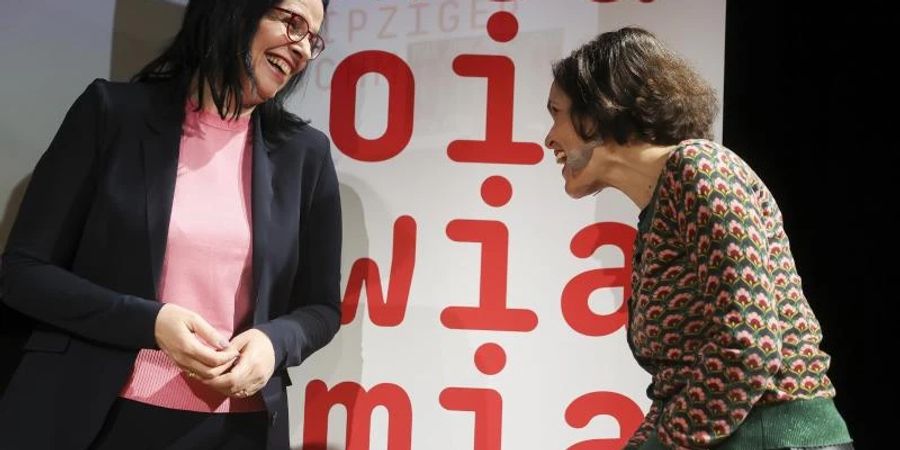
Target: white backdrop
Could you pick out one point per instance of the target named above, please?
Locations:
(423, 214)
(401, 198)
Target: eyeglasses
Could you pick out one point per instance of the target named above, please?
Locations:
(297, 28)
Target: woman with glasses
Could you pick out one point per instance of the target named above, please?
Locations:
(717, 313)
(179, 246)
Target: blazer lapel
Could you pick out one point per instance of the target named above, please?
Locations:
(262, 193)
(160, 147)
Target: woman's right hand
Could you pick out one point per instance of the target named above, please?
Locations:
(194, 345)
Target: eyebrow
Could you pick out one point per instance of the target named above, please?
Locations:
(316, 32)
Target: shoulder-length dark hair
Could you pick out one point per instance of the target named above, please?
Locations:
(626, 84)
(213, 45)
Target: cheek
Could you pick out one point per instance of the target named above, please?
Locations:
(256, 53)
(580, 157)
(265, 39)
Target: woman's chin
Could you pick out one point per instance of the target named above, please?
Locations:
(577, 191)
(576, 186)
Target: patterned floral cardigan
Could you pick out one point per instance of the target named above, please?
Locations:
(717, 313)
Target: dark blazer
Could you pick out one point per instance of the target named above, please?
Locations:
(85, 254)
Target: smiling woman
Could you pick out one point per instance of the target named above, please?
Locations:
(275, 63)
(161, 250)
(717, 314)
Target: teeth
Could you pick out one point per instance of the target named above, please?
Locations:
(560, 157)
(278, 62)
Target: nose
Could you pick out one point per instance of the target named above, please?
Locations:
(302, 49)
(549, 142)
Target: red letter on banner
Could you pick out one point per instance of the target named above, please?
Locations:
(575, 295)
(488, 408)
(492, 313)
(498, 146)
(384, 310)
(359, 405)
(623, 409)
(401, 97)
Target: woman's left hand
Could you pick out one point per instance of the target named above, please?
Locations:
(253, 368)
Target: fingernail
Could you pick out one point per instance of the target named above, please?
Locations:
(222, 344)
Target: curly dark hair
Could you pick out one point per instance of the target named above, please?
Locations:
(626, 84)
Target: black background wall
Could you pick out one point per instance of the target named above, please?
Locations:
(809, 104)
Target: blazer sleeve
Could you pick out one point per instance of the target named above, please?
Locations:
(36, 278)
(314, 323)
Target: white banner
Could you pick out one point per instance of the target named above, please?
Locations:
(483, 307)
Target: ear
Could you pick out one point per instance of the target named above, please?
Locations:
(590, 128)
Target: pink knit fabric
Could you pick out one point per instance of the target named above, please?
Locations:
(208, 261)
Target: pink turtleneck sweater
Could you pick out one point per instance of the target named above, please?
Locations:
(208, 261)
